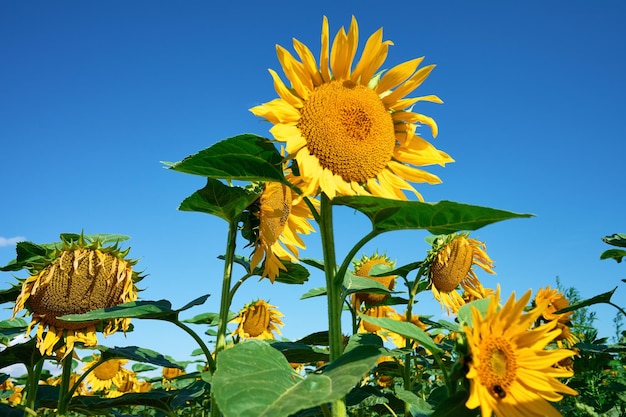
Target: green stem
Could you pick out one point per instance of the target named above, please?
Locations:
(33, 375)
(346, 262)
(225, 300)
(238, 284)
(333, 289)
(200, 342)
(64, 399)
(621, 310)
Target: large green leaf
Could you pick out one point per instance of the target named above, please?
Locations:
(11, 328)
(158, 310)
(598, 299)
(137, 354)
(443, 217)
(617, 239)
(10, 295)
(255, 380)
(218, 199)
(244, 157)
(25, 353)
(403, 328)
(616, 254)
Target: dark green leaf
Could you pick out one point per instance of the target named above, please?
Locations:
(10, 295)
(617, 239)
(244, 157)
(313, 262)
(616, 254)
(25, 353)
(299, 352)
(11, 328)
(208, 318)
(198, 301)
(133, 310)
(354, 283)
(408, 330)
(455, 407)
(254, 380)
(137, 354)
(218, 199)
(418, 406)
(295, 273)
(438, 218)
(315, 339)
(402, 271)
(27, 254)
(598, 299)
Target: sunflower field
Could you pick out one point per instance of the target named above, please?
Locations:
(344, 134)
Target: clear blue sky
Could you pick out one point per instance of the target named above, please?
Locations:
(93, 95)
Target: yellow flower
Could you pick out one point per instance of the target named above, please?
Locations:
(350, 130)
(107, 375)
(452, 258)
(280, 217)
(79, 277)
(510, 371)
(381, 311)
(362, 268)
(556, 301)
(257, 320)
(16, 396)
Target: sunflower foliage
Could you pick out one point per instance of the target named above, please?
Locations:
(345, 134)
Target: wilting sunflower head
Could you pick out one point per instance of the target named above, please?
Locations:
(257, 320)
(273, 225)
(364, 267)
(451, 260)
(74, 277)
(556, 301)
(350, 128)
(511, 373)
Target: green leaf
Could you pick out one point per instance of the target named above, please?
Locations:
(103, 238)
(617, 239)
(454, 406)
(255, 380)
(244, 157)
(354, 283)
(598, 299)
(402, 271)
(218, 199)
(158, 310)
(616, 254)
(11, 328)
(25, 353)
(208, 318)
(408, 330)
(295, 273)
(27, 254)
(314, 292)
(418, 406)
(465, 312)
(443, 217)
(10, 295)
(315, 339)
(313, 262)
(299, 352)
(137, 354)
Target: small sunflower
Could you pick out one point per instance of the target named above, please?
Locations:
(16, 396)
(257, 320)
(107, 375)
(381, 311)
(556, 301)
(277, 219)
(351, 130)
(77, 276)
(510, 371)
(451, 261)
(363, 268)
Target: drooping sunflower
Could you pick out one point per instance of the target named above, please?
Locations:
(257, 320)
(277, 218)
(350, 129)
(76, 276)
(510, 371)
(363, 268)
(451, 260)
(556, 301)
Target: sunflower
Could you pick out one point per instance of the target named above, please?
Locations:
(510, 371)
(451, 261)
(350, 129)
(16, 396)
(78, 276)
(556, 301)
(278, 217)
(382, 311)
(257, 320)
(107, 375)
(363, 268)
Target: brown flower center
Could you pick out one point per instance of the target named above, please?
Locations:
(451, 265)
(498, 366)
(348, 129)
(256, 320)
(79, 281)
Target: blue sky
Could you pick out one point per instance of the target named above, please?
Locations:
(95, 95)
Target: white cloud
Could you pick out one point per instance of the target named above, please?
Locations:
(10, 241)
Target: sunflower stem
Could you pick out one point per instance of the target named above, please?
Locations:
(65, 384)
(33, 375)
(200, 342)
(225, 300)
(333, 289)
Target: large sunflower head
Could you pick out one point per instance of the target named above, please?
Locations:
(76, 276)
(351, 129)
(257, 320)
(273, 225)
(511, 373)
(451, 259)
(363, 268)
